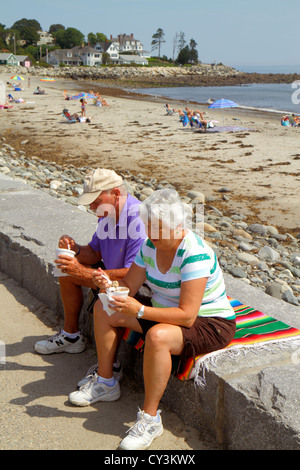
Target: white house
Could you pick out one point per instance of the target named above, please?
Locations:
(78, 55)
(45, 38)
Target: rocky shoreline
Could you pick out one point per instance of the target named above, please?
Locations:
(255, 253)
(197, 75)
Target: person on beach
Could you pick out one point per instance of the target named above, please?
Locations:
(189, 313)
(83, 104)
(119, 235)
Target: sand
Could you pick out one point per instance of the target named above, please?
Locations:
(260, 165)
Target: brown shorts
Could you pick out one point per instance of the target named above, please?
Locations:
(206, 335)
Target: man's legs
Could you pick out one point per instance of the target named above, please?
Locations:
(72, 299)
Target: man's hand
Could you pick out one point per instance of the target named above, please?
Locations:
(68, 243)
(70, 266)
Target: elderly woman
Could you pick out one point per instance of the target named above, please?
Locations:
(190, 313)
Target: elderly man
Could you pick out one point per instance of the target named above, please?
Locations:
(119, 235)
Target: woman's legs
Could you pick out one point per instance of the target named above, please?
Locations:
(162, 340)
(107, 336)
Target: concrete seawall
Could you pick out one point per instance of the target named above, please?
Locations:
(250, 401)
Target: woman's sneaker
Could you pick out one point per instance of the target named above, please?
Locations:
(61, 342)
(142, 433)
(95, 391)
(117, 373)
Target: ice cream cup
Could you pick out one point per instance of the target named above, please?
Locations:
(117, 291)
(62, 251)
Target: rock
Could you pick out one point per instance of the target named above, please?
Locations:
(290, 298)
(274, 289)
(258, 228)
(236, 271)
(267, 253)
(242, 233)
(247, 258)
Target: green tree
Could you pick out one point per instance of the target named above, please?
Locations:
(94, 38)
(23, 24)
(183, 56)
(68, 38)
(28, 30)
(55, 27)
(193, 51)
(157, 40)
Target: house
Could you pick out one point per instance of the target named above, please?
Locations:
(128, 44)
(88, 55)
(7, 58)
(78, 55)
(45, 38)
(110, 47)
(24, 60)
(132, 59)
(62, 56)
(124, 44)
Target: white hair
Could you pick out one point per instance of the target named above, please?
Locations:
(165, 205)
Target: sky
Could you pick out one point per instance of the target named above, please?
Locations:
(234, 32)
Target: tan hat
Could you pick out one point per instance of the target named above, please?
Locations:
(97, 181)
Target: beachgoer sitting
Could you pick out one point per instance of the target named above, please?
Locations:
(114, 250)
(190, 312)
(38, 91)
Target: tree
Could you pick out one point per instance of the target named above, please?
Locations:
(184, 56)
(22, 24)
(68, 38)
(157, 40)
(28, 30)
(188, 54)
(193, 51)
(55, 27)
(94, 38)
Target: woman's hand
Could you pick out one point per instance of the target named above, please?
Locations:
(128, 306)
(68, 243)
(100, 280)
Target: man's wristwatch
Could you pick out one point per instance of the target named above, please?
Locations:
(141, 312)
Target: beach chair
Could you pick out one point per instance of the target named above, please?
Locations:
(170, 112)
(69, 118)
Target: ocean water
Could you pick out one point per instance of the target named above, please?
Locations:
(274, 97)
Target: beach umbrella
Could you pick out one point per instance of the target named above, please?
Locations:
(82, 95)
(47, 79)
(222, 103)
(17, 77)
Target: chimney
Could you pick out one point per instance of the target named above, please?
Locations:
(111, 37)
(131, 35)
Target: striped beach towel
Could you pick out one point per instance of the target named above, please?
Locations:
(253, 329)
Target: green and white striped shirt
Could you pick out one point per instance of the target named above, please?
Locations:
(194, 259)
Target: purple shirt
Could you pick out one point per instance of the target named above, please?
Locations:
(119, 244)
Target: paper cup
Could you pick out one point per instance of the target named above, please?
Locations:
(62, 251)
(118, 292)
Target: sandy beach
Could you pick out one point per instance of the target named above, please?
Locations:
(259, 165)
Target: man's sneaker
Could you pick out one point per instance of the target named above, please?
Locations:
(94, 391)
(117, 373)
(60, 342)
(142, 433)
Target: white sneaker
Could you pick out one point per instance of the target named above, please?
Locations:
(142, 433)
(60, 342)
(117, 373)
(94, 391)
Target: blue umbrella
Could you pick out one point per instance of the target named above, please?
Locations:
(223, 104)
